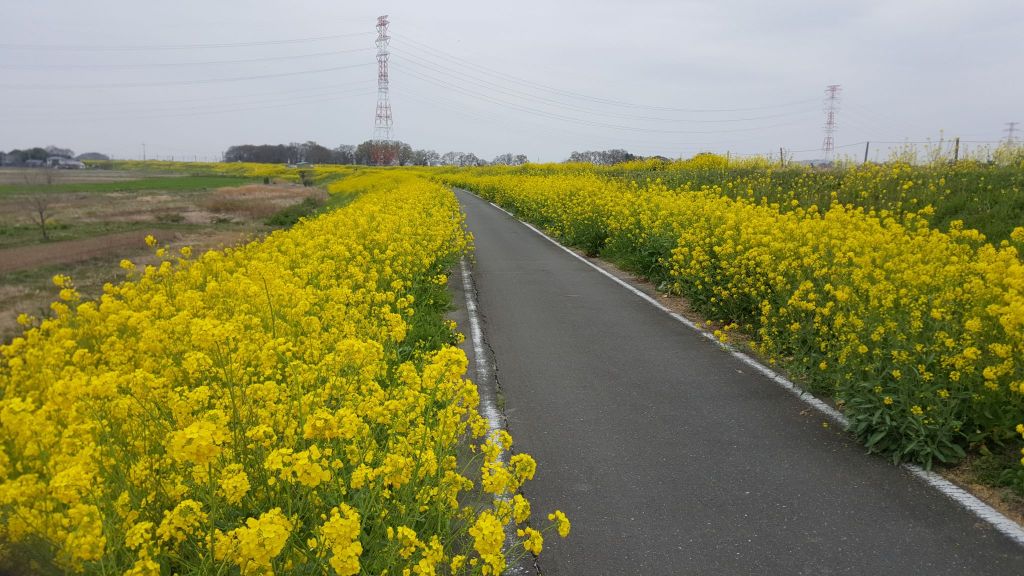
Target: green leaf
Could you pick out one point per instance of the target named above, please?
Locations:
(875, 438)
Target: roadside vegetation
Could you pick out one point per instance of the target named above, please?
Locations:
(294, 405)
(988, 197)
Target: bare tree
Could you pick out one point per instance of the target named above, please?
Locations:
(41, 201)
(510, 159)
(40, 213)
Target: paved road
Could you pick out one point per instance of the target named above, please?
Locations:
(672, 457)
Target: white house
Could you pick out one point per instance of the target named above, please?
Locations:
(64, 163)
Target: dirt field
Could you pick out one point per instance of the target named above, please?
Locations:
(91, 231)
(91, 265)
(72, 215)
(72, 251)
(256, 200)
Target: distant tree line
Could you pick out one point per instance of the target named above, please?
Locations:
(402, 153)
(18, 157)
(310, 152)
(603, 157)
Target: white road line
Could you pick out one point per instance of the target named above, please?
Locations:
(479, 360)
(965, 499)
(488, 399)
(488, 402)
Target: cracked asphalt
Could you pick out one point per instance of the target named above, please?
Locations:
(672, 457)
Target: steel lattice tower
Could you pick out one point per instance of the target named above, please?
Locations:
(383, 151)
(828, 146)
(1011, 129)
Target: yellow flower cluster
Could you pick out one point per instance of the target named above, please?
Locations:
(340, 535)
(275, 408)
(254, 547)
(488, 536)
(883, 309)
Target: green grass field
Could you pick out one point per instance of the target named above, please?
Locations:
(163, 183)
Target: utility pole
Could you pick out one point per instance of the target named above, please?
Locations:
(782, 158)
(143, 151)
(867, 146)
(383, 151)
(956, 150)
(828, 145)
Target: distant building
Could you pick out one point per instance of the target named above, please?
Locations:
(34, 163)
(3, 158)
(63, 163)
(816, 163)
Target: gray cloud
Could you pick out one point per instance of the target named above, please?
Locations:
(530, 76)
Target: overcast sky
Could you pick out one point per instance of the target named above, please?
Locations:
(190, 78)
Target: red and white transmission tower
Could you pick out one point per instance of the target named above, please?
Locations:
(831, 108)
(383, 151)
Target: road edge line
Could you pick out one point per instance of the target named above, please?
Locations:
(489, 405)
(965, 499)
(485, 376)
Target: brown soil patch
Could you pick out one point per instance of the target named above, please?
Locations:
(252, 203)
(82, 207)
(39, 255)
(273, 191)
(15, 300)
(258, 201)
(1002, 499)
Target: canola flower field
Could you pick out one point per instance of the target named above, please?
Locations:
(916, 330)
(296, 405)
(985, 197)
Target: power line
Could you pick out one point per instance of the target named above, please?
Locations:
(594, 99)
(148, 65)
(878, 122)
(144, 47)
(233, 109)
(560, 131)
(323, 90)
(462, 76)
(178, 82)
(219, 109)
(572, 119)
(272, 101)
(551, 129)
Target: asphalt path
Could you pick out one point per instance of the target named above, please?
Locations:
(670, 456)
